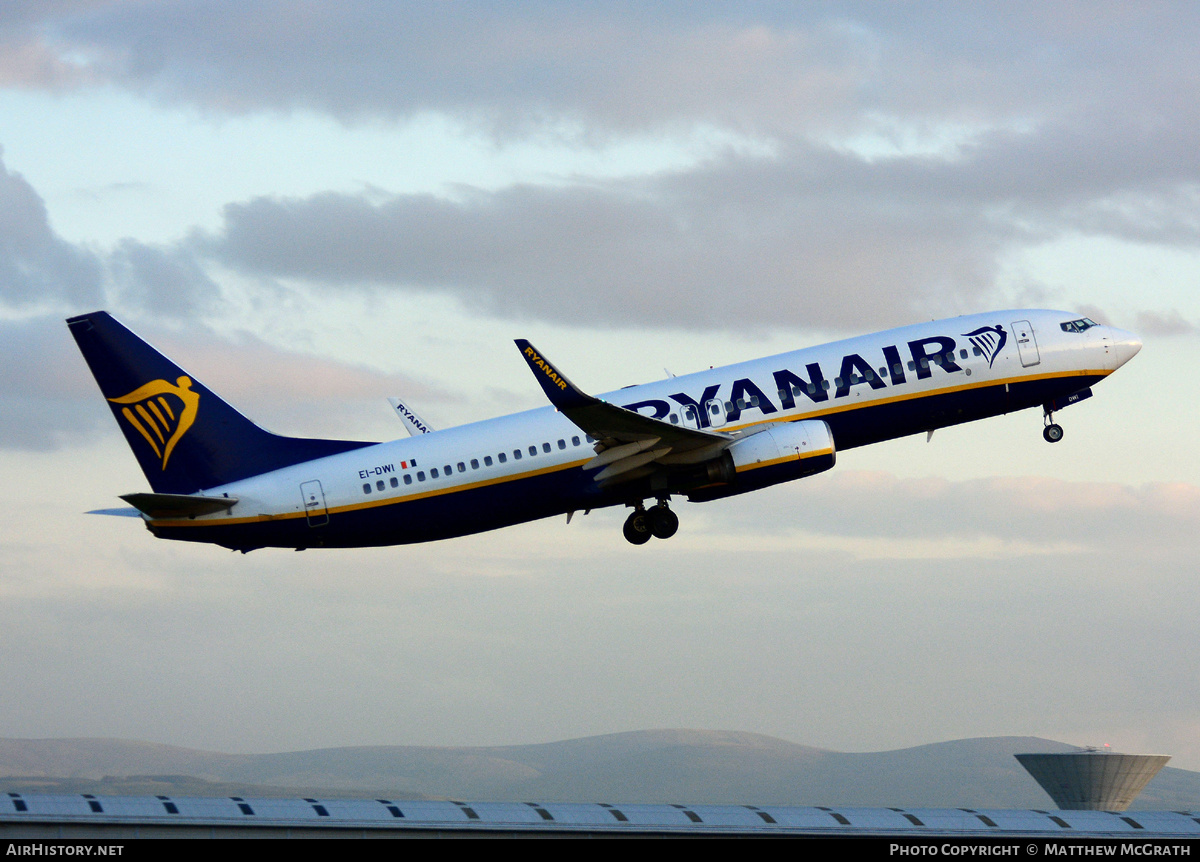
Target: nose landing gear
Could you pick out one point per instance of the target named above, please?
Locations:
(659, 522)
(1053, 432)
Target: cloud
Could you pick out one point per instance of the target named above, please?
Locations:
(43, 387)
(30, 58)
(1170, 322)
(1000, 517)
(52, 402)
(167, 281)
(766, 68)
(909, 152)
(740, 241)
(809, 234)
(36, 265)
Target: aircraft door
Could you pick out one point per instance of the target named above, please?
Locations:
(313, 497)
(1026, 343)
(690, 416)
(715, 408)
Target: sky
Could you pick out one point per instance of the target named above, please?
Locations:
(312, 206)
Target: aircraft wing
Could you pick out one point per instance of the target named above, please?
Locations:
(626, 440)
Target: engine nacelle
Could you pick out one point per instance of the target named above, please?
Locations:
(779, 453)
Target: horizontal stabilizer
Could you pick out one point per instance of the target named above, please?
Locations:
(123, 512)
(178, 505)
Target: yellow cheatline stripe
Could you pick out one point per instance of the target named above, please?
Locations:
(775, 461)
(372, 504)
(859, 404)
(392, 501)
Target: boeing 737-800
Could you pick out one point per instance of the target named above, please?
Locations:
(217, 477)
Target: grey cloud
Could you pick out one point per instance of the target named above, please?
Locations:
(813, 237)
(51, 400)
(39, 269)
(166, 281)
(807, 235)
(1150, 521)
(1165, 323)
(36, 265)
(764, 66)
(1069, 123)
(29, 56)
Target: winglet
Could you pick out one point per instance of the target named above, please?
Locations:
(415, 425)
(562, 393)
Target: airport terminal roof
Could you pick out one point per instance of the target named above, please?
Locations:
(24, 815)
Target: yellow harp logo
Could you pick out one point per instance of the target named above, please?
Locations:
(161, 413)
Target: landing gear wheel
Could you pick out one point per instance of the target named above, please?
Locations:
(1053, 433)
(637, 528)
(663, 522)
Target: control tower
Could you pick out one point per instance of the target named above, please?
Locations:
(1092, 780)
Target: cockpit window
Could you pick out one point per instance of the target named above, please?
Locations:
(1078, 325)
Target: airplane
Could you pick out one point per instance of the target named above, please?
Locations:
(217, 477)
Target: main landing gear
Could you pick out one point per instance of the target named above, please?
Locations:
(1053, 432)
(659, 522)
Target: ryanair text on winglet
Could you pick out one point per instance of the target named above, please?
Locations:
(546, 367)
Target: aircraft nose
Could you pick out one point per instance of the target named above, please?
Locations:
(1125, 345)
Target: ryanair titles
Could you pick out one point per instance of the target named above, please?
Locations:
(545, 367)
(923, 354)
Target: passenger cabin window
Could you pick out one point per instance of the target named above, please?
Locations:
(379, 485)
(545, 447)
(474, 463)
(574, 441)
(366, 487)
(420, 475)
(395, 482)
(433, 474)
(487, 460)
(503, 458)
(516, 454)
(533, 450)
(407, 478)
(562, 444)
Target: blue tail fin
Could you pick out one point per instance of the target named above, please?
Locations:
(184, 436)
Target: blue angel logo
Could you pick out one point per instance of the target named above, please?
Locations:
(988, 340)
